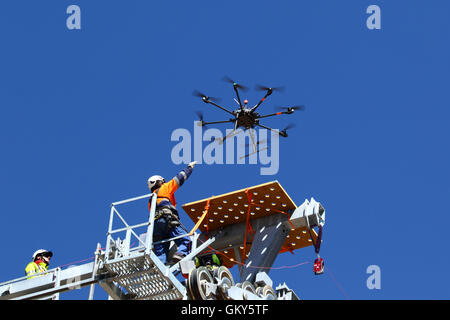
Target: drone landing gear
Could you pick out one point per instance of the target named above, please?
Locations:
(231, 134)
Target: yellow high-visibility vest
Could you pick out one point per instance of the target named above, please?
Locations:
(33, 268)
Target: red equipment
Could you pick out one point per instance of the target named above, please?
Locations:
(319, 266)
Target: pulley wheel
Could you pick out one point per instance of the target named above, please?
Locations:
(223, 275)
(248, 286)
(259, 292)
(198, 284)
(268, 293)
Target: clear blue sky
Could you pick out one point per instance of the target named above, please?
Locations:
(86, 118)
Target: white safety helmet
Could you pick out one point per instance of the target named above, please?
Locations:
(41, 251)
(152, 181)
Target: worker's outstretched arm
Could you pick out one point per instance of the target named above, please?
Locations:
(181, 177)
(168, 189)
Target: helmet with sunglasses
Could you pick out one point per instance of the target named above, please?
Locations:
(42, 252)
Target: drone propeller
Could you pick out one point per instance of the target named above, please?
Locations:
(263, 88)
(199, 115)
(283, 132)
(234, 83)
(289, 126)
(291, 108)
(197, 93)
(200, 118)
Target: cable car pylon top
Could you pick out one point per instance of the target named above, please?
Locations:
(252, 226)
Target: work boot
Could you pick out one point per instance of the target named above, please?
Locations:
(177, 257)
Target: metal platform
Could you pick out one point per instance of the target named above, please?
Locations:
(143, 280)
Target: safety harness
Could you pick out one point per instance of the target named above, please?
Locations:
(168, 212)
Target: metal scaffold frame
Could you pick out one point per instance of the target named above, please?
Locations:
(135, 269)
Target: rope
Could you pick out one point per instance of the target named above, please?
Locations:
(75, 262)
(276, 268)
(254, 267)
(247, 224)
(318, 240)
(206, 210)
(289, 219)
(258, 267)
(337, 283)
(87, 259)
(291, 267)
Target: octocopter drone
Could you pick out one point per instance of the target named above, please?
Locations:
(246, 117)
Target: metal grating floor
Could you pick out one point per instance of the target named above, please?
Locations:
(143, 280)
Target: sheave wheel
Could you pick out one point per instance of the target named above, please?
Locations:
(198, 284)
(248, 286)
(259, 292)
(268, 293)
(224, 276)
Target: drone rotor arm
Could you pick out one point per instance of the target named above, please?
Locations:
(224, 109)
(236, 86)
(216, 122)
(272, 114)
(238, 97)
(261, 101)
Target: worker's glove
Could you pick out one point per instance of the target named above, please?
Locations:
(192, 164)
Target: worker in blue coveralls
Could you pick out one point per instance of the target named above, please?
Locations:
(167, 220)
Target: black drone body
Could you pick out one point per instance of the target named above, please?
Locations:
(245, 117)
